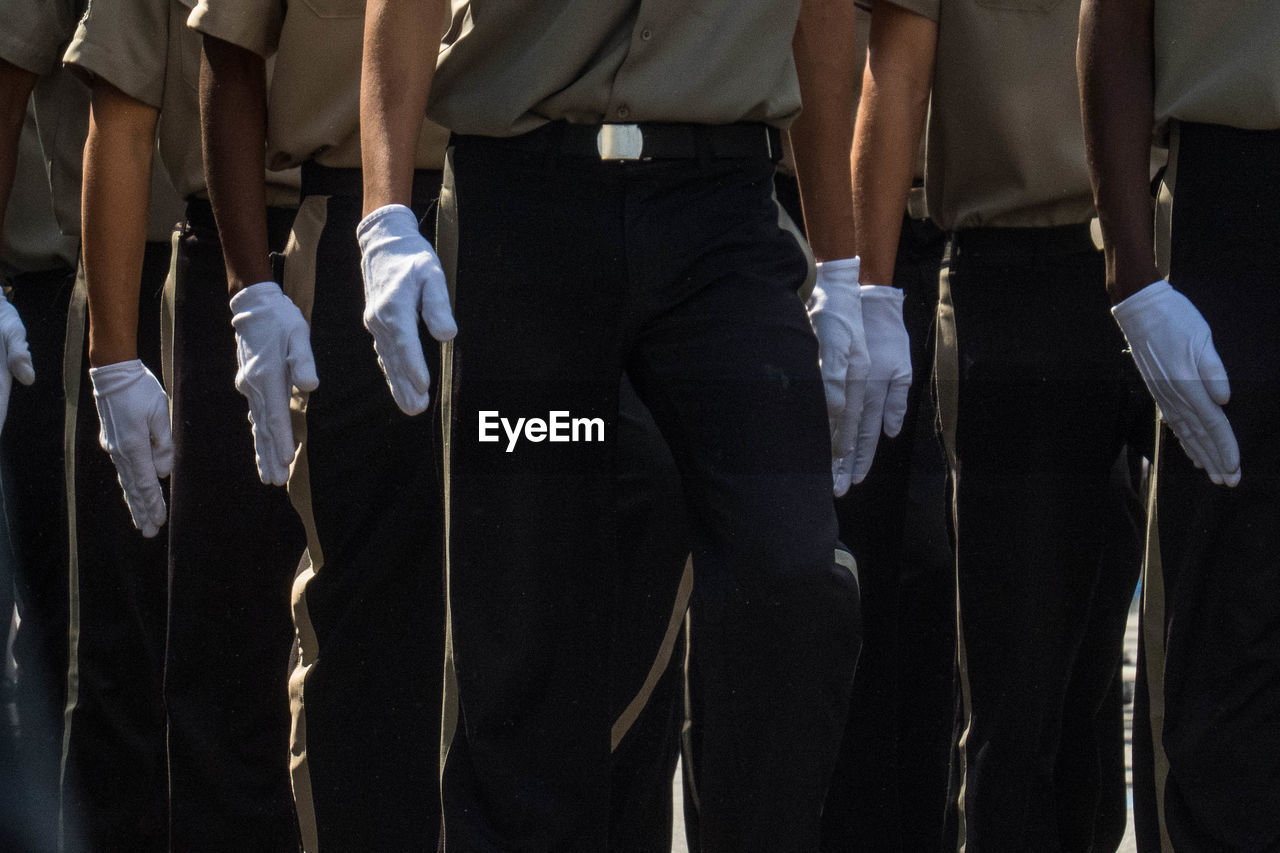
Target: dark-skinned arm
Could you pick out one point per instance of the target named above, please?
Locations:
(233, 132)
(1114, 64)
(891, 116)
(16, 84)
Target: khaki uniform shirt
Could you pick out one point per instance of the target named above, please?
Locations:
(32, 241)
(1005, 140)
(1218, 62)
(145, 49)
(509, 66)
(34, 36)
(313, 107)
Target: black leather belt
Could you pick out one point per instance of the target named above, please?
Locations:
(349, 183)
(1023, 242)
(644, 141)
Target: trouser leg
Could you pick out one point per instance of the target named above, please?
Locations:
(370, 611)
(890, 782)
(35, 503)
(1220, 548)
(114, 790)
(1040, 416)
(234, 545)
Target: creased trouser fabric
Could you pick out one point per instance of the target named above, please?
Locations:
(1219, 548)
(1036, 399)
(370, 610)
(568, 273)
(36, 515)
(890, 787)
(114, 790)
(234, 545)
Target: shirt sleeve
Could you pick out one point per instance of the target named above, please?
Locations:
(125, 43)
(251, 24)
(35, 32)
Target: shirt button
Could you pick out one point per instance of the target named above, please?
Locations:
(624, 111)
(646, 34)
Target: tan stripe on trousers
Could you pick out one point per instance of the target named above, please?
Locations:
(946, 377)
(300, 286)
(72, 375)
(660, 662)
(446, 245)
(1153, 642)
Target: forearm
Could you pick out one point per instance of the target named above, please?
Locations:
(401, 42)
(233, 131)
(15, 88)
(891, 116)
(117, 185)
(1114, 63)
(822, 136)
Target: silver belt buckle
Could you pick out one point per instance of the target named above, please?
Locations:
(620, 142)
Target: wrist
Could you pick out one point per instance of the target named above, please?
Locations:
(107, 353)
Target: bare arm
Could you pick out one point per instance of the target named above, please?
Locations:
(895, 100)
(233, 131)
(401, 38)
(15, 88)
(117, 187)
(822, 136)
(1114, 63)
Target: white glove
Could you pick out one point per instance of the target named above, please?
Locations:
(273, 348)
(13, 348)
(1174, 350)
(888, 382)
(835, 309)
(134, 413)
(403, 280)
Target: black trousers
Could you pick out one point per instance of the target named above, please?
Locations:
(114, 791)
(36, 514)
(1036, 399)
(370, 609)
(234, 546)
(1216, 551)
(890, 787)
(569, 272)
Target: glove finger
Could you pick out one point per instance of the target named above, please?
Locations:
(841, 475)
(863, 458)
(264, 452)
(1207, 424)
(6, 385)
(436, 312)
(405, 366)
(302, 364)
(161, 438)
(20, 363)
(1214, 375)
(895, 405)
(849, 420)
(280, 427)
(1226, 450)
(142, 493)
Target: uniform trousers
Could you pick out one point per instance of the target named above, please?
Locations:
(369, 610)
(398, 575)
(36, 515)
(114, 789)
(890, 787)
(234, 545)
(1211, 656)
(570, 271)
(1036, 400)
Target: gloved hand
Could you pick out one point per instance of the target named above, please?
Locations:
(888, 381)
(134, 413)
(1173, 348)
(17, 358)
(403, 280)
(273, 348)
(835, 309)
